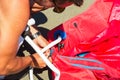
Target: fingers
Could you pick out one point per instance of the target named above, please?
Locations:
(42, 42)
(37, 61)
(50, 59)
(47, 53)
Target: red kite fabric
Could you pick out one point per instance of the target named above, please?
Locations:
(91, 49)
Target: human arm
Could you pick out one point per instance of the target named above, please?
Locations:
(14, 16)
(39, 39)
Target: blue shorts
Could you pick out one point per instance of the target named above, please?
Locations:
(2, 77)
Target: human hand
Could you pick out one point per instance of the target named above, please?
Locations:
(42, 42)
(39, 39)
(37, 61)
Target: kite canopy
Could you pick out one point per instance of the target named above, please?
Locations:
(91, 49)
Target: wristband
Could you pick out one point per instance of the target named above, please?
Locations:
(36, 35)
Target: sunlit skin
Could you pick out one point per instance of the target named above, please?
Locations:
(14, 15)
(13, 19)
